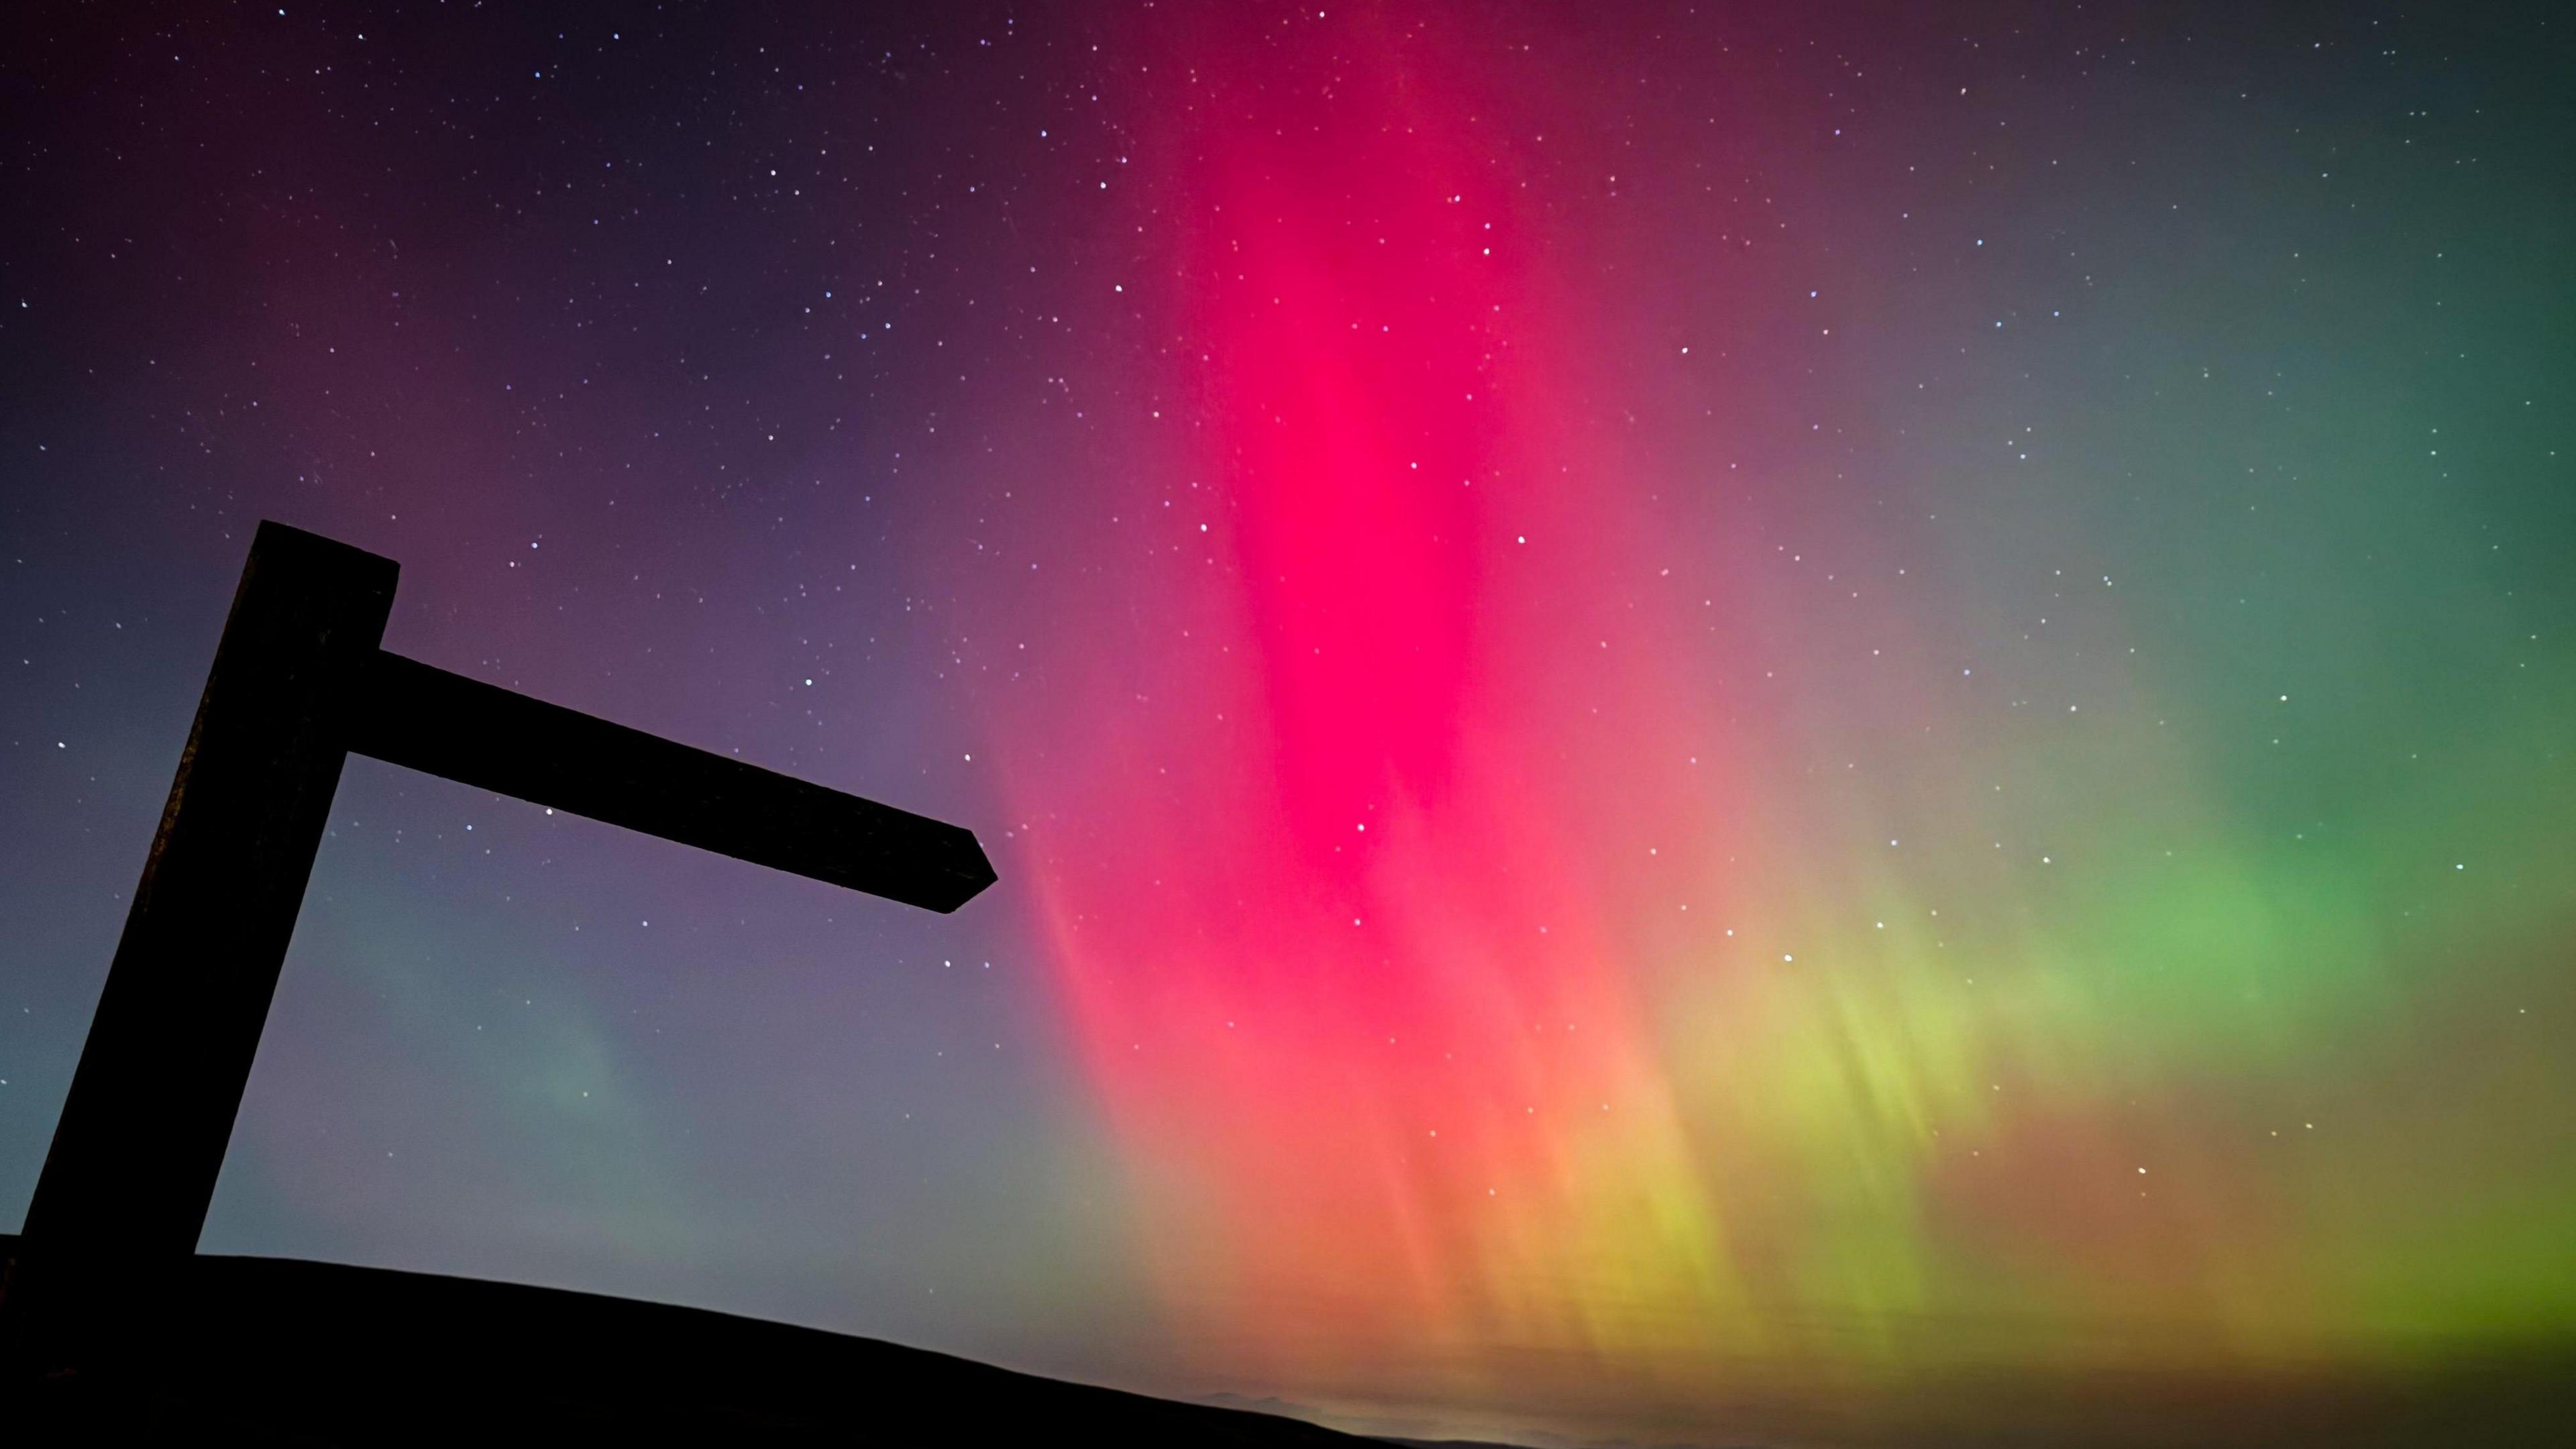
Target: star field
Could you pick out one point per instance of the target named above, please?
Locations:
(1700, 722)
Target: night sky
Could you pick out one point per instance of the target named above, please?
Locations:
(1700, 722)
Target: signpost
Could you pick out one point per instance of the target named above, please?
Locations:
(298, 682)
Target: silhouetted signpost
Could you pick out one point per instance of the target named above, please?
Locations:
(298, 682)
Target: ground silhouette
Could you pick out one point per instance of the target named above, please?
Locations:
(281, 1351)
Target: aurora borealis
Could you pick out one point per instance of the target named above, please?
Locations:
(1706, 723)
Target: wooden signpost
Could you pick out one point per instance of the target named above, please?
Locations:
(298, 682)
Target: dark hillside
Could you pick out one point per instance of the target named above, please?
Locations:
(281, 1351)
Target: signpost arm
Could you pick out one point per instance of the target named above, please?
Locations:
(483, 735)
